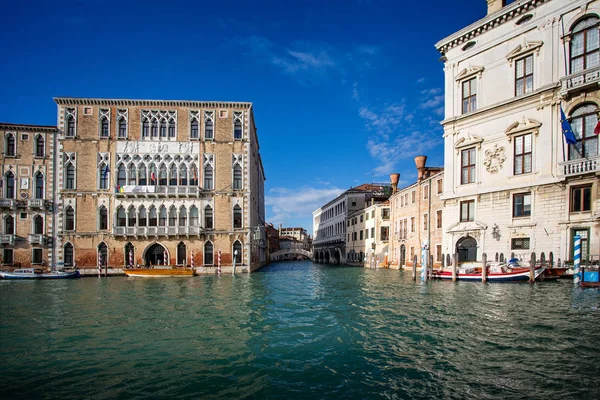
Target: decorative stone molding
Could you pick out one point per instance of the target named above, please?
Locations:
(527, 125)
(469, 72)
(523, 49)
(494, 158)
(471, 226)
(468, 140)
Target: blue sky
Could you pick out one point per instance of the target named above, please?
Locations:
(344, 92)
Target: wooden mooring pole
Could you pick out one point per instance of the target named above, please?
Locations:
(484, 269)
(414, 269)
(532, 269)
(454, 262)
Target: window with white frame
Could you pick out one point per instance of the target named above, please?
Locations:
(103, 171)
(523, 154)
(70, 122)
(584, 119)
(521, 205)
(104, 123)
(524, 75)
(467, 211)
(469, 95)
(585, 44)
(209, 125)
(10, 145)
(468, 158)
(194, 125)
(39, 145)
(237, 175)
(238, 121)
(69, 165)
(237, 216)
(122, 118)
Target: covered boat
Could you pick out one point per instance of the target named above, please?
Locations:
(38, 273)
(160, 271)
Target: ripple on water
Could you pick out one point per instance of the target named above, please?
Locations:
(298, 330)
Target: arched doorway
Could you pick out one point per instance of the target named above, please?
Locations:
(466, 249)
(402, 255)
(155, 254)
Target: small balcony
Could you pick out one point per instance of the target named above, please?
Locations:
(400, 235)
(7, 203)
(579, 166)
(157, 230)
(573, 83)
(7, 239)
(35, 203)
(36, 239)
(157, 191)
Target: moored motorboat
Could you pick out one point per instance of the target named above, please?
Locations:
(496, 273)
(553, 273)
(160, 271)
(38, 273)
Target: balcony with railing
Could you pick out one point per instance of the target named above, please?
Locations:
(35, 203)
(580, 80)
(7, 239)
(36, 239)
(157, 191)
(157, 230)
(7, 203)
(579, 166)
(400, 235)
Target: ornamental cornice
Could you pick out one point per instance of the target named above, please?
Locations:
(506, 14)
(468, 72)
(27, 128)
(526, 125)
(522, 49)
(468, 140)
(80, 101)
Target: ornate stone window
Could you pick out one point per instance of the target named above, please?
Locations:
(122, 119)
(69, 166)
(69, 218)
(39, 185)
(238, 122)
(9, 225)
(523, 154)
(208, 253)
(103, 170)
(194, 125)
(68, 255)
(104, 123)
(102, 218)
(40, 146)
(585, 44)
(209, 121)
(10, 145)
(468, 160)
(38, 225)
(584, 119)
(70, 122)
(237, 172)
(468, 82)
(159, 124)
(208, 217)
(237, 216)
(209, 162)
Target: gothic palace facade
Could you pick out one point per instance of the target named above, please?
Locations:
(122, 182)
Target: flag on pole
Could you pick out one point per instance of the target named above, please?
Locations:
(106, 171)
(597, 128)
(566, 128)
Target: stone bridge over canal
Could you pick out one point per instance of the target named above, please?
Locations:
(282, 254)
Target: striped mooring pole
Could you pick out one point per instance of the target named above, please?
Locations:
(577, 260)
(192, 259)
(219, 263)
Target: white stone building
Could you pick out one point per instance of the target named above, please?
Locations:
(512, 183)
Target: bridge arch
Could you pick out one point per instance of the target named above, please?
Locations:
(280, 253)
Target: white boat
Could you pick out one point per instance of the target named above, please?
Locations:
(38, 273)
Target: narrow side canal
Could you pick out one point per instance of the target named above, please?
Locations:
(298, 330)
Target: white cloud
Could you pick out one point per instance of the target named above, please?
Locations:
(420, 80)
(355, 92)
(384, 121)
(286, 204)
(433, 102)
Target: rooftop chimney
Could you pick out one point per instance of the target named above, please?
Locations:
(420, 163)
(394, 182)
(495, 5)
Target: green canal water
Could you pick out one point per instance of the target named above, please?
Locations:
(298, 331)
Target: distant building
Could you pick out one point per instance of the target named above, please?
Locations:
(416, 216)
(272, 238)
(513, 183)
(330, 243)
(298, 234)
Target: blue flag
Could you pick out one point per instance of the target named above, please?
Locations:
(566, 128)
(105, 172)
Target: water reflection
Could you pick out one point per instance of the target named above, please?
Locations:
(298, 330)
